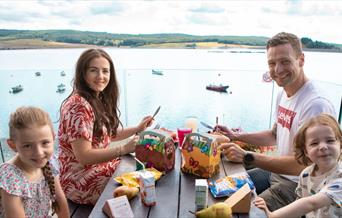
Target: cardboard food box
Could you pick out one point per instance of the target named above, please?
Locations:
(118, 207)
(240, 201)
(156, 148)
(200, 156)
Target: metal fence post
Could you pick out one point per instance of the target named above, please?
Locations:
(340, 114)
(2, 153)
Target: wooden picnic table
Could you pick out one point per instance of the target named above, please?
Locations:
(175, 192)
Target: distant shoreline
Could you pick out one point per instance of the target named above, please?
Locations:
(38, 44)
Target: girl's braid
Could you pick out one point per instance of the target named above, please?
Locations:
(51, 182)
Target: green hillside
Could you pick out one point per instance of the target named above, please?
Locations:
(74, 38)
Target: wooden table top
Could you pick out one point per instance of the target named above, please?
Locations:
(175, 192)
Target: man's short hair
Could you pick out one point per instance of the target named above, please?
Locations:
(284, 38)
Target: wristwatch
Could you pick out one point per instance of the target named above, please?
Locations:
(248, 159)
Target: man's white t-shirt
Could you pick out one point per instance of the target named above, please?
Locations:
(292, 112)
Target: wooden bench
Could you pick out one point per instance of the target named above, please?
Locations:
(79, 210)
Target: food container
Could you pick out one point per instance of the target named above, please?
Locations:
(200, 155)
(156, 148)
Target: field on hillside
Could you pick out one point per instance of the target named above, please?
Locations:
(36, 43)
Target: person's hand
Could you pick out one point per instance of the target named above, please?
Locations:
(232, 134)
(130, 146)
(220, 138)
(233, 152)
(261, 204)
(144, 123)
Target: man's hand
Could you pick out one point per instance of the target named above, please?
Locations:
(220, 138)
(233, 152)
(232, 134)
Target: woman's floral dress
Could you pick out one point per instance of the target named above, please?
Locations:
(81, 184)
(36, 196)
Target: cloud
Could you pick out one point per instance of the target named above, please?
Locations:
(106, 8)
(208, 9)
(315, 19)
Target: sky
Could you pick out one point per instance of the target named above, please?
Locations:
(318, 20)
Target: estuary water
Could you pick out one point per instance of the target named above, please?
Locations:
(180, 91)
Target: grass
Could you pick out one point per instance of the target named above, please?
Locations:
(36, 43)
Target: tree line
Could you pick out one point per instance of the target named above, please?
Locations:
(137, 40)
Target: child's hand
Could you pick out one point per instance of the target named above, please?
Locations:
(261, 204)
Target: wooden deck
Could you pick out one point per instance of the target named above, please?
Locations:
(175, 193)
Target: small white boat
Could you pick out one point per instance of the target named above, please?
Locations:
(157, 72)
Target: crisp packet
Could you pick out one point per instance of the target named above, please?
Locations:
(228, 185)
(131, 179)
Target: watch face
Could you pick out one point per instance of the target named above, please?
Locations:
(248, 158)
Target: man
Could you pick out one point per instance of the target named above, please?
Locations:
(297, 101)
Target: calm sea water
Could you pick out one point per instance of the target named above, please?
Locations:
(180, 91)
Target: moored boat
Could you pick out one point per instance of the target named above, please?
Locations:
(16, 89)
(60, 88)
(217, 88)
(157, 72)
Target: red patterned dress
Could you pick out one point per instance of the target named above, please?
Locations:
(81, 184)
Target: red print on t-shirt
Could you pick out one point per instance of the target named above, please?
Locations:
(285, 117)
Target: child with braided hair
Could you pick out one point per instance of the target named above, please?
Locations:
(29, 184)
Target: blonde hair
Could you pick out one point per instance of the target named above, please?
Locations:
(25, 117)
(299, 139)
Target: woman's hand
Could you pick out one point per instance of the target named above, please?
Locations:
(130, 146)
(144, 123)
(261, 204)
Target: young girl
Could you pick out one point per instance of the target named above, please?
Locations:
(27, 182)
(89, 121)
(318, 142)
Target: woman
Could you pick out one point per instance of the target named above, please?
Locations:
(89, 121)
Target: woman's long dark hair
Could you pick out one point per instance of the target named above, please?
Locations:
(104, 105)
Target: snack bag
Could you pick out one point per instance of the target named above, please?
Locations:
(131, 179)
(156, 148)
(200, 155)
(228, 185)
